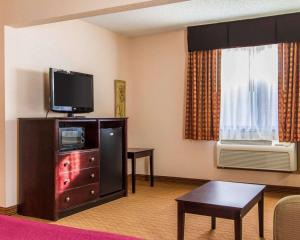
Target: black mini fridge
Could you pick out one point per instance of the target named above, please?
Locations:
(111, 166)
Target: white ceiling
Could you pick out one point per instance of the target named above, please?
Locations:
(191, 12)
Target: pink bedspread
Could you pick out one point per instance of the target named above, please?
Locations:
(12, 228)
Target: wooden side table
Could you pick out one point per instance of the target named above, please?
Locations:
(133, 154)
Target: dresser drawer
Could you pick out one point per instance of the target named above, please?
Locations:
(77, 160)
(77, 178)
(74, 197)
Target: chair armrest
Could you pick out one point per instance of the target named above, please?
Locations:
(287, 219)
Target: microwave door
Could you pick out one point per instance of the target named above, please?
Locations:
(71, 138)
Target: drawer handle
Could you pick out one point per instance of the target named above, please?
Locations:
(66, 163)
(93, 175)
(68, 199)
(92, 192)
(92, 159)
(66, 181)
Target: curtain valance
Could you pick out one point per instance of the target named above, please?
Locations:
(251, 32)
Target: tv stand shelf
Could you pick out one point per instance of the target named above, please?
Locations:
(55, 183)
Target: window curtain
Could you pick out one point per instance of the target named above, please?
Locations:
(249, 100)
(289, 90)
(203, 93)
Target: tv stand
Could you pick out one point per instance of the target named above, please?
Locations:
(55, 183)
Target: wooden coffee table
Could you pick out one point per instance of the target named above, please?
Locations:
(224, 200)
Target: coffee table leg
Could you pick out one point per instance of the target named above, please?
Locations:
(213, 223)
(180, 221)
(261, 215)
(238, 228)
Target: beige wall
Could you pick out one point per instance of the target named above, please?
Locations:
(71, 45)
(158, 81)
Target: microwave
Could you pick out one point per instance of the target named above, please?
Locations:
(71, 138)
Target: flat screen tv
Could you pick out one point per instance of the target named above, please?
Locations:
(71, 92)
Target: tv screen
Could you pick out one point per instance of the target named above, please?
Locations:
(71, 92)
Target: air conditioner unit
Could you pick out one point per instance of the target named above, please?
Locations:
(260, 155)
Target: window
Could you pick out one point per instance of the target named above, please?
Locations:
(249, 95)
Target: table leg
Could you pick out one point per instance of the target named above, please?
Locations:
(238, 228)
(261, 216)
(180, 221)
(213, 223)
(133, 161)
(151, 170)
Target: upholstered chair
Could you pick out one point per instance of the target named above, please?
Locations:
(287, 219)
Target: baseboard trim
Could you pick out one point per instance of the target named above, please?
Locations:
(283, 189)
(8, 211)
(194, 181)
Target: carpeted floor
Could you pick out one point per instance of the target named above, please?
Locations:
(150, 213)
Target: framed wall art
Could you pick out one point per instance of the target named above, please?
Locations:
(120, 98)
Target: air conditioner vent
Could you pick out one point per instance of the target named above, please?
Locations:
(276, 158)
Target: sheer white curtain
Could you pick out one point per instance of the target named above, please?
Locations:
(249, 95)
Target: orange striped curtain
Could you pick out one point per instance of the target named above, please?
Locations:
(203, 94)
(289, 92)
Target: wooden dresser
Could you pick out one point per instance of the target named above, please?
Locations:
(54, 183)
